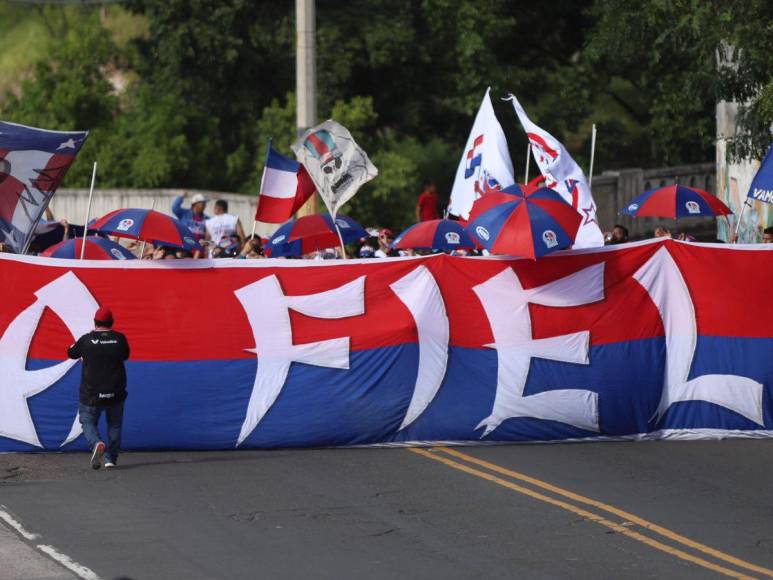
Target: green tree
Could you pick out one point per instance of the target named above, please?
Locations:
(656, 63)
(69, 90)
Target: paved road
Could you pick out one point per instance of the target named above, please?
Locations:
(604, 510)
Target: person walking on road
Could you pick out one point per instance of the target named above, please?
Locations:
(103, 386)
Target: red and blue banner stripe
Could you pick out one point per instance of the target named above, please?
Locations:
(644, 340)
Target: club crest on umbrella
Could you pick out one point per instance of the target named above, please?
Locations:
(125, 225)
(550, 238)
(452, 238)
(692, 207)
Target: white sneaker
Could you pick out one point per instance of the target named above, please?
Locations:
(109, 464)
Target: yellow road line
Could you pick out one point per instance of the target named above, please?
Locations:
(613, 510)
(619, 528)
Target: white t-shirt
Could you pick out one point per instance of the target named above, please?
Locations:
(221, 226)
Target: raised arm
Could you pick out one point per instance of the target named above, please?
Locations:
(240, 231)
(177, 206)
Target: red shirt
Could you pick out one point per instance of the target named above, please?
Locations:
(427, 205)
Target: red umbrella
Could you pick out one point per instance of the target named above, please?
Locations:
(539, 223)
(675, 202)
(96, 249)
(313, 232)
(489, 200)
(147, 225)
(442, 235)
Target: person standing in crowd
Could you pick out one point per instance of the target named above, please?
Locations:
(426, 206)
(385, 238)
(223, 225)
(194, 218)
(767, 235)
(618, 235)
(103, 386)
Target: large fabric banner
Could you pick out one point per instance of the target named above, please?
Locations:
(646, 340)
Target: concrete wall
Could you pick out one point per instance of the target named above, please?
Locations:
(71, 204)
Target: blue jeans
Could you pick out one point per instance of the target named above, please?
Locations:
(89, 418)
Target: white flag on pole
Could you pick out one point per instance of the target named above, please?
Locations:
(336, 164)
(485, 164)
(562, 174)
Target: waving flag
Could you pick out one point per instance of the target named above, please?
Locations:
(485, 165)
(33, 163)
(562, 173)
(761, 188)
(336, 164)
(285, 187)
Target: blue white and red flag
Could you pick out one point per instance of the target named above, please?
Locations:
(33, 163)
(285, 188)
(761, 188)
(485, 165)
(562, 174)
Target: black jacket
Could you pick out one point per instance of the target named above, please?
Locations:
(103, 376)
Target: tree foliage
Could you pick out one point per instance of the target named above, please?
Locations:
(186, 93)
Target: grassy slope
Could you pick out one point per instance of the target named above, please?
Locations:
(25, 37)
(23, 40)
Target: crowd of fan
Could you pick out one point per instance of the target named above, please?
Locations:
(222, 235)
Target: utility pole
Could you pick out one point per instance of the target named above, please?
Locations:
(306, 78)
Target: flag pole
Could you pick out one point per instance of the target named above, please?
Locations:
(528, 158)
(340, 237)
(260, 192)
(142, 247)
(740, 218)
(88, 211)
(592, 155)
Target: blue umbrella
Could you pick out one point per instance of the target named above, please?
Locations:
(283, 250)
